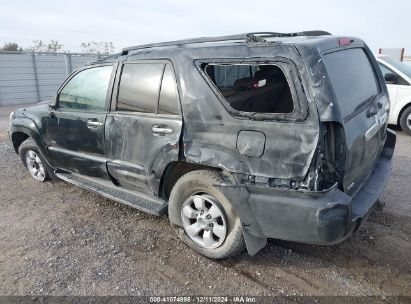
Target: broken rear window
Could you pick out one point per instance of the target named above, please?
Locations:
(252, 88)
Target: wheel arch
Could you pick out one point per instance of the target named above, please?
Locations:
(24, 128)
(195, 156)
(17, 138)
(176, 169)
(405, 107)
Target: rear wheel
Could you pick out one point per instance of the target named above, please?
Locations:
(405, 120)
(204, 220)
(207, 221)
(31, 157)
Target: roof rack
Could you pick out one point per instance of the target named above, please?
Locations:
(303, 33)
(256, 37)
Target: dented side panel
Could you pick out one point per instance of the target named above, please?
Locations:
(365, 126)
(210, 131)
(137, 156)
(289, 144)
(73, 145)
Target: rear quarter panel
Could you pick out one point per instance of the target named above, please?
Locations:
(210, 132)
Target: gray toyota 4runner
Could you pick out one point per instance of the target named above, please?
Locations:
(237, 138)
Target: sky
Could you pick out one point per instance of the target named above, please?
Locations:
(383, 24)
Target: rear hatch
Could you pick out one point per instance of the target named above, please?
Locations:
(361, 100)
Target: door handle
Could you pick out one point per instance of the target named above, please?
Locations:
(161, 130)
(92, 124)
(372, 111)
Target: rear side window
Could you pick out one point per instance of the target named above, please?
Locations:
(252, 88)
(352, 78)
(148, 88)
(139, 87)
(168, 103)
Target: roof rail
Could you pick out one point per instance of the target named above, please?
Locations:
(102, 58)
(257, 37)
(189, 41)
(303, 33)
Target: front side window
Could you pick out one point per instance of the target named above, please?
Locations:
(401, 66)
(384, 69)
(253, 88)
(87, 90)
(139, 87)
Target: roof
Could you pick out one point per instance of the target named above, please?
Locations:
(316, 37)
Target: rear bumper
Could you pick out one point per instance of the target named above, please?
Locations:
(325, 217)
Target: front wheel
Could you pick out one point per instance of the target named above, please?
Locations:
(207, 220)
(31, 157)
(405, 120)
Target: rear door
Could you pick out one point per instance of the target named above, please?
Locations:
(75, 125)
(362, 104)
(144, 126)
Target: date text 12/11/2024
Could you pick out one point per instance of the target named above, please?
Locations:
(203, 299)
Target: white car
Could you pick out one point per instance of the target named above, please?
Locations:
(398, 78)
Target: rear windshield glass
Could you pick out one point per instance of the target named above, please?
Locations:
(352, 77)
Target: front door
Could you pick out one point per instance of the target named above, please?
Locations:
(75, 126)
(143, 129)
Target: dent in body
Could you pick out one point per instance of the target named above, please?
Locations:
(210, 131)
(33, 123)
(251, 143)
(136, 156)
(73, 145)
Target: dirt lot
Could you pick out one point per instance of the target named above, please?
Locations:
(57, 239)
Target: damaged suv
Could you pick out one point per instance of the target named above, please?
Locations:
(237, 138)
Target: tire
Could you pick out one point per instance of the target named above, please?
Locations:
(207, 207)
(34, 161)
(405, 120)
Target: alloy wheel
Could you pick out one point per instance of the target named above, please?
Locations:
(35, 165)
(408, 120)
(204, 220)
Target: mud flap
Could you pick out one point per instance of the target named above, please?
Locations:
(254, 244)
(238, 196)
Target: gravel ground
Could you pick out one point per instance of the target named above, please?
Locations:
(57, 239)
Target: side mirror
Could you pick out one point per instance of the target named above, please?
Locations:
(391, 78)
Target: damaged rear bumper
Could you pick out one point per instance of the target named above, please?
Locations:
(324, 218)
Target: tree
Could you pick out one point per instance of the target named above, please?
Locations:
(97, 47)
(11, 47)
(39, 46)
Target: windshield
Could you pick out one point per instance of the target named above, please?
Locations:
(403, 67)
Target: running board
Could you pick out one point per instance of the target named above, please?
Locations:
(150, 205)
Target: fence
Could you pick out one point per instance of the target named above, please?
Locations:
(35, 77)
